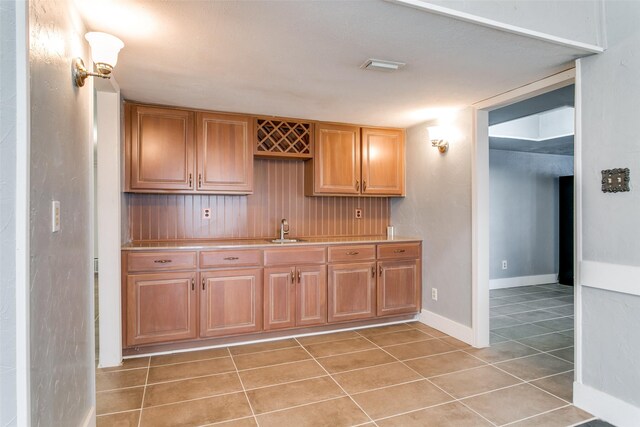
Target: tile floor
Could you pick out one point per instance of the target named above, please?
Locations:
(397, 375)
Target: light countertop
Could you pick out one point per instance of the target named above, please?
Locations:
(259, 243)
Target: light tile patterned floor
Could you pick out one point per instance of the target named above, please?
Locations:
(399, 375)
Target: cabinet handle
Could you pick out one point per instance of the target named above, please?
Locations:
(299, 275)
(203, 283)
(364, 185)
(373, 272)
(353, 253)
(190, 179)
(293, 276)
(380, 271)
(162, 261)
(399, 251)
(231, 258)
(193, 284)
(357, 185)
(199, 180)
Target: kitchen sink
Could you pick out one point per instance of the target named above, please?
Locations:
(286, 240)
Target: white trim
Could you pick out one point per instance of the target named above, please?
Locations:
(603, 405)
(577, 204)
(446, 325)
(480, 230)
(611, 277)
(107, 99)
(513, 282)
(90, 418)
(556, 81)
(500, 26)
(23, 156)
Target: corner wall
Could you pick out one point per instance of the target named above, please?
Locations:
(437, 209)
(61, 297)
(609, 384)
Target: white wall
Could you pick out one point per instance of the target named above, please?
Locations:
(437, 209)
(577, 20)
(61, 298)
(610, 90)
(8, 142)
(524, 226)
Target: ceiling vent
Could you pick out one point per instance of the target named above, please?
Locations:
(381, 65)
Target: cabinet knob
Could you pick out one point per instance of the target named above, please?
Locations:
(364, 185)
(199, 180)
(190, 180)
(357, 185)
(373, 272)
(380, 271)
(231, 258)
(299, 276)
(193, 284)
(353, 253)
(293, 276)
(162, 261)
(399, 251)
(203, 283)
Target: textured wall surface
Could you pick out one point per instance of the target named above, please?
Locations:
(7, 214)
(524, 212)
(577, 20)
(62, 353)
(438, 210)
(610, 105)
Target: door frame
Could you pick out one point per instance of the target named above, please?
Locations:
(480, 195)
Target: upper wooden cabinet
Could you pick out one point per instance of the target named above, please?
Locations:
(349, 160)
(160, 148)
(171, 150)
(224, 153)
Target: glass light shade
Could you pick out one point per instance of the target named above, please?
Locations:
(104, 48)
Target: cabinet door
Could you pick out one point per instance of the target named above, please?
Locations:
(399, 287)
(383, 162)
(352, 291)
(160, 149)
(225, 153)
(230, 302)
(311, 295)
(336, 160)
(279, 297)
(160, 307)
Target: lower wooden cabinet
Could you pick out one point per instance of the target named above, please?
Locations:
(161, 307)
(352, 291)
(295, 296)
(230, 302)
(398, 287)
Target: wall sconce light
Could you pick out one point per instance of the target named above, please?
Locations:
(436, 136)
(104, 53)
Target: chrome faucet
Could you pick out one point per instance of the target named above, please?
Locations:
(284, 228)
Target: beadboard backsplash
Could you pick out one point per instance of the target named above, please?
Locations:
(278, 193)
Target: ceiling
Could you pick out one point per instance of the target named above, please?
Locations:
(302, 58)
(558, 98)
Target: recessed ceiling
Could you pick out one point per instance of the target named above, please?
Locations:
(302, 58)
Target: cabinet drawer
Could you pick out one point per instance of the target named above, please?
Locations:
(161, 261)
(399, 250)
(295, 256)
(226, 258)
(352, 253)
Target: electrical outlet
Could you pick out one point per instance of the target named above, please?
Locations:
(504, 264)
(358, 213)
(55, 216)
(434, 294)
(206, 213)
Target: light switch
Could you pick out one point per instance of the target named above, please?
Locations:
(615, 180)
(55, 216)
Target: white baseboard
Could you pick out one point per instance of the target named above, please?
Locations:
(611, 277)
(90, 418)
(512, 282)
(603, 405)
(446, 325)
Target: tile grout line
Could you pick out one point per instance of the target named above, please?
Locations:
(435, 385)
(144, 392)
(244, 390)
(340, 386)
